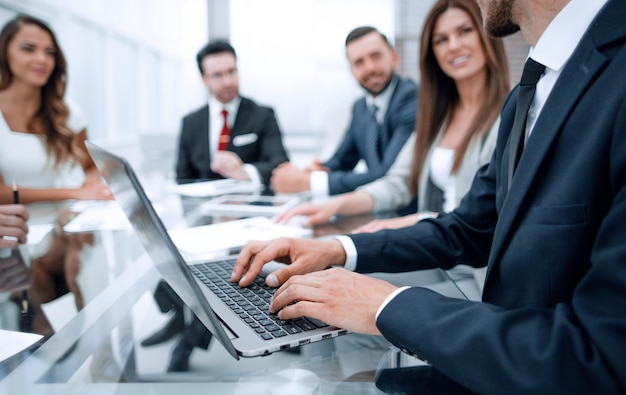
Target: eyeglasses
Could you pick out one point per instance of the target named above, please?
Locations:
(219, 76)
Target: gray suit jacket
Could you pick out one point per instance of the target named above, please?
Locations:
(396, 128)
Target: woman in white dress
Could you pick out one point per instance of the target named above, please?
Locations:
(41, 135)
(42, 149)
(464, 81)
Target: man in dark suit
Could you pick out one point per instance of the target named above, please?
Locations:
(230, 137)
(390, 100)
(553, 236)
(250, 147)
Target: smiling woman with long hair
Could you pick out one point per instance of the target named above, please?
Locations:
(464, 81)
(41, 134)
(42, 149)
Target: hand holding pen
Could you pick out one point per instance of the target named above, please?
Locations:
(13, 224)
(13, 217)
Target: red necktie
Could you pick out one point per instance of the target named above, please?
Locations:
(225, 134)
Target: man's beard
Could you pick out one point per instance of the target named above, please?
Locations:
(497, 21)
(387, 83)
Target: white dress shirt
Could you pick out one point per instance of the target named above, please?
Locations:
(24, 157)
(556, 45)
(216, 122)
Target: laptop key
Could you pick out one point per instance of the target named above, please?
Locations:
(272, 328)
(316, 322)
(304, 324)
(252, 302)
(291, 329)
(279, 333)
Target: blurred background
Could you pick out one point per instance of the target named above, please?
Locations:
(132, 68)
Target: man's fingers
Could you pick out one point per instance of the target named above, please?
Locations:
(286, 215)
(280, 276)
(254, 256)
(244, 260)
(8, 243)
(301, 309)
(17, 232)
(317, 218)
(301, 289)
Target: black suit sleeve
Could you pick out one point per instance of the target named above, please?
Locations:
(572, 345)
(185, 168)
(271, 149)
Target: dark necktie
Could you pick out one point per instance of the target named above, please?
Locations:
(530, 76)
(224, 134)
(373, 133)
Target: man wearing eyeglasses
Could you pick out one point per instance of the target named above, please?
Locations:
(231, 136)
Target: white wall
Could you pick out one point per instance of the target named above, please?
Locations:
(132, 62)
(292, 57)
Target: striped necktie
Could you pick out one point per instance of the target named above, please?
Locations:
(373, 134)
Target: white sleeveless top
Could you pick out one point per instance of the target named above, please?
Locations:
(441, 163)
(25, 160)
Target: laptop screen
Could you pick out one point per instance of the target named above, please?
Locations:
(153, 235)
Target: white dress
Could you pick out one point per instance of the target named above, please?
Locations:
(25, 160)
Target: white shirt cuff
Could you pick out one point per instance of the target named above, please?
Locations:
(350, 249)
(319, 184)
(389, 299)
(253, 173)
(426, 215)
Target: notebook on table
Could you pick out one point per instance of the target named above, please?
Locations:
(237, 317)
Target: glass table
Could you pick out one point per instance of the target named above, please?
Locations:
(93, 322)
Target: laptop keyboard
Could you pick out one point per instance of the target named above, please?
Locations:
(251, 304)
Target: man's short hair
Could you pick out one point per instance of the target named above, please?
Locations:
(361, 31)
(212, 48)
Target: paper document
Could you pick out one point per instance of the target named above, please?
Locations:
(14, 342)
(215, 188)
(233, 234)
(60, 311)
(38, 232)
(249, 204)
(101, 216)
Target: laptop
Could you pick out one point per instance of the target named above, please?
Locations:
(237, 317)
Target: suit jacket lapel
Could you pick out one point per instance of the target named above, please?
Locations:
(201, 130)
(579, 72)
(240, 120)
